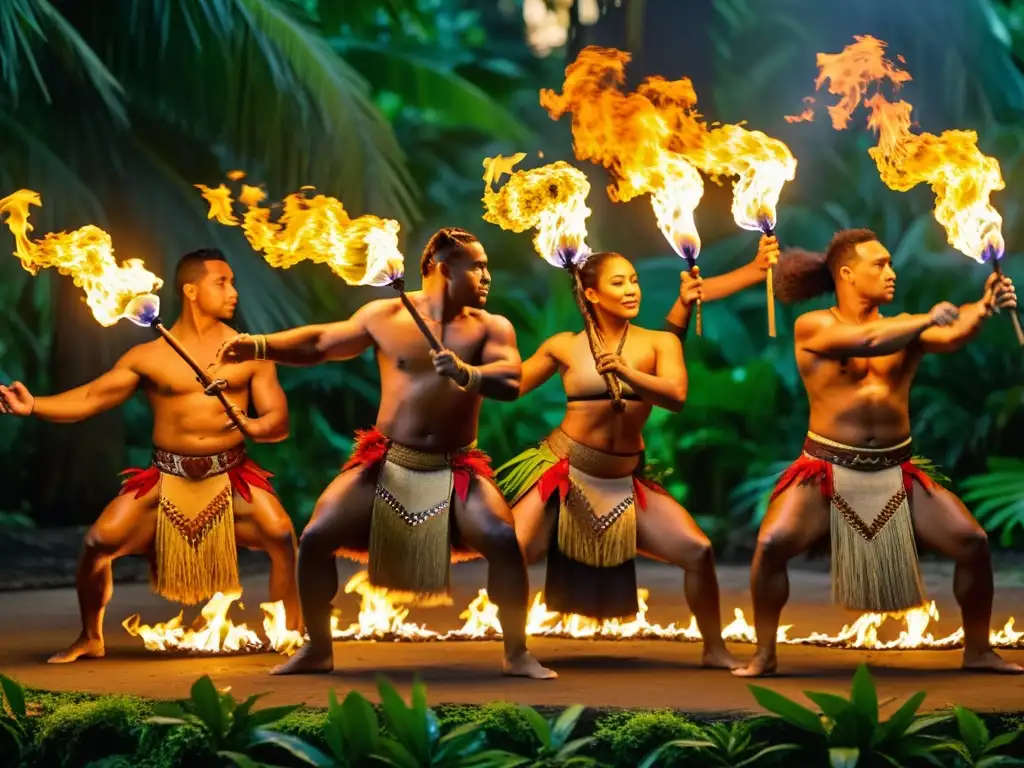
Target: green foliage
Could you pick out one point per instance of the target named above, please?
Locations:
(997, 497)
(553, 746)
(630, 736)
(234, 729)
(729, 745)
(14, 734)
(212, 730)
(847, 731)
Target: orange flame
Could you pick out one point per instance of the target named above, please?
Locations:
(961, 177)
(654, 140)
(361, 251)
(113, 291)
(382, 617)
(551, 199)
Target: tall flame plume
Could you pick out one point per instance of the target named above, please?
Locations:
(961, 177)
(361, 251)
(653, 141)
(112, 290)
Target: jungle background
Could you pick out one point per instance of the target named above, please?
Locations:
(112, 110)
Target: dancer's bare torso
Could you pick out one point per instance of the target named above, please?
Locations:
(859, 401)
(185, 419)
(594, 422)
(418, 407)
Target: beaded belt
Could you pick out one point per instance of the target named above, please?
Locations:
(198, 467)
(852, 457)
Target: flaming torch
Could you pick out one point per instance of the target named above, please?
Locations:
(361, 251)
(762, 166)
(113, 291)
(654, 140)
(961, 177)
(641, 138)
(551, 199)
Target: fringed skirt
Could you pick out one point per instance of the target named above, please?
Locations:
(412, 537)
(196, 555)
(591, 567)
(870, 492)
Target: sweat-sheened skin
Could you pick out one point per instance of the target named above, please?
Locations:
(857, 367)
(186, 421)
(430, 402)
(651, 364)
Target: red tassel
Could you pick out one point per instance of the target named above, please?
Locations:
(911, 473)
(639, 495)
(475, 462)
(371, 446)
(806, 470)
(555, 478)
(460, 478)
(142, 481)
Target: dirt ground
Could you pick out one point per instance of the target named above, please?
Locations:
(624, 673)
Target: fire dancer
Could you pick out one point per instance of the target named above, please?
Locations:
(857, 478)
(605, 510)
(416, 493)
(202, 495)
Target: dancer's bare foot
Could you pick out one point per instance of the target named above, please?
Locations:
(308, 660)
(990, 661)
(762, 664)
(90, 648)
(525, 665)
(720, 658)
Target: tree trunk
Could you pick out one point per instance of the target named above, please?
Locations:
(77, 465)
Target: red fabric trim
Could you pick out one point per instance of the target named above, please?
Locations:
(911, 473)
(806, 470)
(555, 478)
(371, 446)
(243, 478)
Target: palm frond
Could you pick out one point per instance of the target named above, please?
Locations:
(26, 24)
(431, 85)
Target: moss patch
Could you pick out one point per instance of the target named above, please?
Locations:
(627, 737)
(74, 734)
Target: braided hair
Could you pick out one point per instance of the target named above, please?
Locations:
(443, 244)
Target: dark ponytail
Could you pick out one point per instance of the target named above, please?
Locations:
(801, 275)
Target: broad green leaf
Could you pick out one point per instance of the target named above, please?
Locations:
(659, 752)
(239, 759)
(760, 755)
(206, 701)
(240, 717)
(927, 721)
(830, 704)
(361, 725)
(270, 715)
(564, 725)
(903, 717)
(863, 695)
(1002, 740)
(788, 710)
(572, 747)
(972, 731)
(295, 746)
(541, 727)
(15, 696)
(993, 761)
(397, 754)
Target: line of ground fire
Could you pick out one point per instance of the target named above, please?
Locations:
(380, 618)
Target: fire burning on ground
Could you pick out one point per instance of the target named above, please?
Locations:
(382, 619)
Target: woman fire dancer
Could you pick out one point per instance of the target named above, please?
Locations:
(581, 497)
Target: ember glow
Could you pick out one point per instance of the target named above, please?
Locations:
(961, 177)
(361, 251)
(381, 618)
(551, 199)
(113, 291)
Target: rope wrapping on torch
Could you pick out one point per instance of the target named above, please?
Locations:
(611, 382)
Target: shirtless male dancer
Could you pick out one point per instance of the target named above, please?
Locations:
(416, 493)
(200, 477)
(857, 479)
